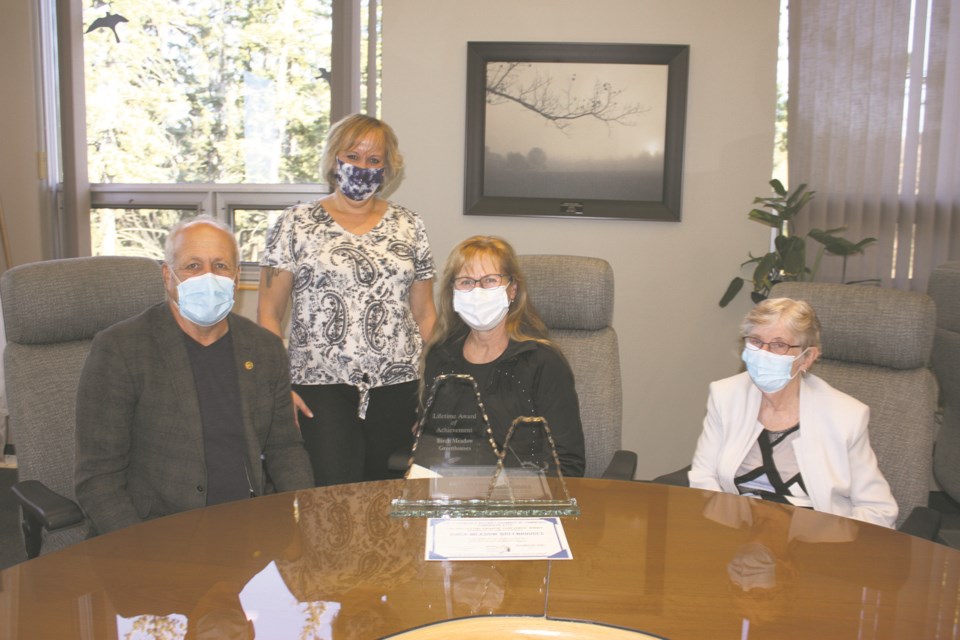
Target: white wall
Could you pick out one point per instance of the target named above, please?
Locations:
(673, 337)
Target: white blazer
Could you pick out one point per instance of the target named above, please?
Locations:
(833, 449)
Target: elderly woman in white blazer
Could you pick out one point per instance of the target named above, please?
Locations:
(779, 433)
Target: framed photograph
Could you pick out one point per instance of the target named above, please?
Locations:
(575, 130)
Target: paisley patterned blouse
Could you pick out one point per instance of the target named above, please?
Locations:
(351, 321)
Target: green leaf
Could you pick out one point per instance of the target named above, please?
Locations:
(786, 244)
(834, 231)
(732, 290)
(793, 251)
(767, 269)
(798, 194)
(838, 245)
(821, 236)
(765, 217)
(793, 208)
(835, 245)
(842, 247)
(778, 187)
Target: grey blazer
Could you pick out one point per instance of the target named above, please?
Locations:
(139, 437)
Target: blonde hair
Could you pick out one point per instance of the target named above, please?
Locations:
(798, 316)
(346, 133)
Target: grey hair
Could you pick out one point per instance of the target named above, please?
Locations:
(205, 219)
(798, 316)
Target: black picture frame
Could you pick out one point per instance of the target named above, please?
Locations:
(539, 80)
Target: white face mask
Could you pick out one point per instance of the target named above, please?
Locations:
(482, 309)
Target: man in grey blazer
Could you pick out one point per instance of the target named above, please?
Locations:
(187, 404)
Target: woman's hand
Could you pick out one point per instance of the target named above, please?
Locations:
(299, 406)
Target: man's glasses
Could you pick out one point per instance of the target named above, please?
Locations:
(777, 347)
(489, 281)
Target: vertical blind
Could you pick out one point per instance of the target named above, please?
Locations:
(874, 129)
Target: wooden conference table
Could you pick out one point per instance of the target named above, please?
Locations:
(330, 563)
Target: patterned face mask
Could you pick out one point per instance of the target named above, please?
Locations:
(357, 183)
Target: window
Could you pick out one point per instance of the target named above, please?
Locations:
(201, 106)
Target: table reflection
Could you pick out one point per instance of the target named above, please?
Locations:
(763, 571)
(789, 554)
(353, 555)
(183, 576)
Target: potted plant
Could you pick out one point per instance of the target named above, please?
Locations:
(788, 259)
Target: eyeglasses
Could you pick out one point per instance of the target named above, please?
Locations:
(777, 347)
(488, 281)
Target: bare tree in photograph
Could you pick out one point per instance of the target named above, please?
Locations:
(506, 82)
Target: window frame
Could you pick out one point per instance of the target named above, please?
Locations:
(217, 200)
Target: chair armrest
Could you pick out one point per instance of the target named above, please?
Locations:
(49, 508)
(678, 478)
(622, 466)
(923, 522)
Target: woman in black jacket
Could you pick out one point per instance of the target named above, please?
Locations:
(487, 328)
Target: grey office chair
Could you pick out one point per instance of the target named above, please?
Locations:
(876, 347)
(944, 288)
(51, 312)
(574, 296)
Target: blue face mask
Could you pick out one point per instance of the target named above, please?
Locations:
(357, 183)
(769, 371)
(205, 300)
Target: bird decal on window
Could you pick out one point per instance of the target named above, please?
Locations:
(324, 74)
(109, 21)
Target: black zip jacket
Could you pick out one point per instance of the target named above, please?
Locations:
(528, 379)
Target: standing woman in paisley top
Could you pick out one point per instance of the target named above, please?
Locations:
(360, 273)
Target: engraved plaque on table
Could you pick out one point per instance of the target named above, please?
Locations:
(456, 468)
(529, 475)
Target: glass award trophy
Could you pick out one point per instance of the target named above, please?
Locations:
(457, 469)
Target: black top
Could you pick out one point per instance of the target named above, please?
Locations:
(218, 393)
(528, 379)
(479, 372)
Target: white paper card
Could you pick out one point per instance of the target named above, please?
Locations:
(417, 472)
(496, 539)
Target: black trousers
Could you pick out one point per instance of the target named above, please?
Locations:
(342, 447)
